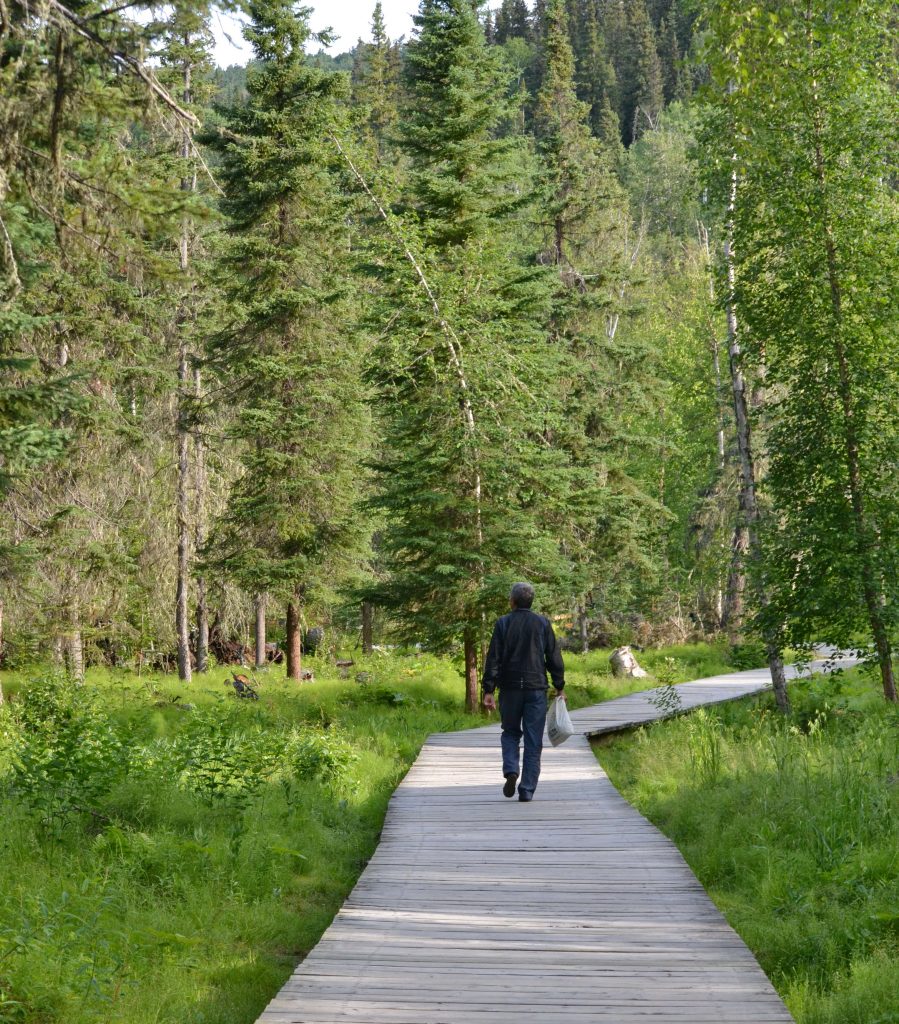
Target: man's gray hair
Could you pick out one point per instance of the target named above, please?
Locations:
(522, 595)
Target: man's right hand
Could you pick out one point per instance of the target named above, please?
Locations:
(489, 702)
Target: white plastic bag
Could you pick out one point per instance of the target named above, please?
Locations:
(558, 722)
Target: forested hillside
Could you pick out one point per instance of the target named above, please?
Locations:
(596, 293)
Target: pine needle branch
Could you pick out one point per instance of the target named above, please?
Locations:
(127, 60)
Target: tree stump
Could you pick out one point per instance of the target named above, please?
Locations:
(624, 664)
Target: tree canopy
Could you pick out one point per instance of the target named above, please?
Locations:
(596, 295)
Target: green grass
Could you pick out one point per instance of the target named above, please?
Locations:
(171, 866)
(793, 828)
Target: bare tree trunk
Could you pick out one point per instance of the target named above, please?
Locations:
(200, 534)
(76, 646)
(471, 669)
(73, 653)
(748, 502)
(729, 604)
(719, 391)
(367, 627)
(734, 598)
(259, 613)
(583, 627)
(734, 607)
(181, 617)
(183, 430)
(294, 642)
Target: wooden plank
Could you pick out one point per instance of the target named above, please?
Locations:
(572, 909)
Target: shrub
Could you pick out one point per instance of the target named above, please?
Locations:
(69, 753)
(747, 656)
(321, 754)
(218, 757)
(10, 741)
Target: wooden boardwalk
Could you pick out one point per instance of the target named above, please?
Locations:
(572, 908)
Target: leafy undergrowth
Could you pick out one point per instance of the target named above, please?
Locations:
(793, 828)
(169, 852)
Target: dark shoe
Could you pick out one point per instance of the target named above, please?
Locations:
(525, 798)
(509, 788)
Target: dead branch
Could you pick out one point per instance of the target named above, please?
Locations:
(127, 60)
(9, 265)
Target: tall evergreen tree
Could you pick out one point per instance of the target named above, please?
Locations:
(490, 28)
(376, 81)
(676, 83)
(512, 21)
(582, 212)
(185, 55)
(641, 89)
(596, 82)
(291, 528)
(465, 365)
(92, 214)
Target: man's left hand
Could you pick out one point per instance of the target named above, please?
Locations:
(489, 702)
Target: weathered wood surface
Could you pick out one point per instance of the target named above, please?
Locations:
(572, 908)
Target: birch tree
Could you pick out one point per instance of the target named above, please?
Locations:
(816, 230)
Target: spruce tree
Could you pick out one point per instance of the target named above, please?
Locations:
(376, 82)
(595, 74)
(291, 528)
(641, 89)
(676, 83)
(489, 28)
(185, 55)
(464, 367)
(512, 21)
(95, 210)
(582, 213)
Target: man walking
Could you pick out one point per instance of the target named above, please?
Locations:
(523, 649)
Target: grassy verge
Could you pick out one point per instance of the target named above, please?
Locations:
(793, 828)
(170, 864)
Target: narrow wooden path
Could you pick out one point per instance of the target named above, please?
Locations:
(573, 908)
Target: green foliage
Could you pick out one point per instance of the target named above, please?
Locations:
(640, 83)
(584, 217)
(231, 826)
(747, 655)
(812, 139)
(464, 476)
(704, 743)
(322, 754)
(376, 84)
(792, 827)
(218, 757)
(666, 697)
(512, 21)
(68, 756)
(291, 527)
(228, 827)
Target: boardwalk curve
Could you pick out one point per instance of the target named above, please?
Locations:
(573, 908)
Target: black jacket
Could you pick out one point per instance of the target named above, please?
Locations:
(523, 649)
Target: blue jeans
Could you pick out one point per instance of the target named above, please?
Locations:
(523, 713)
